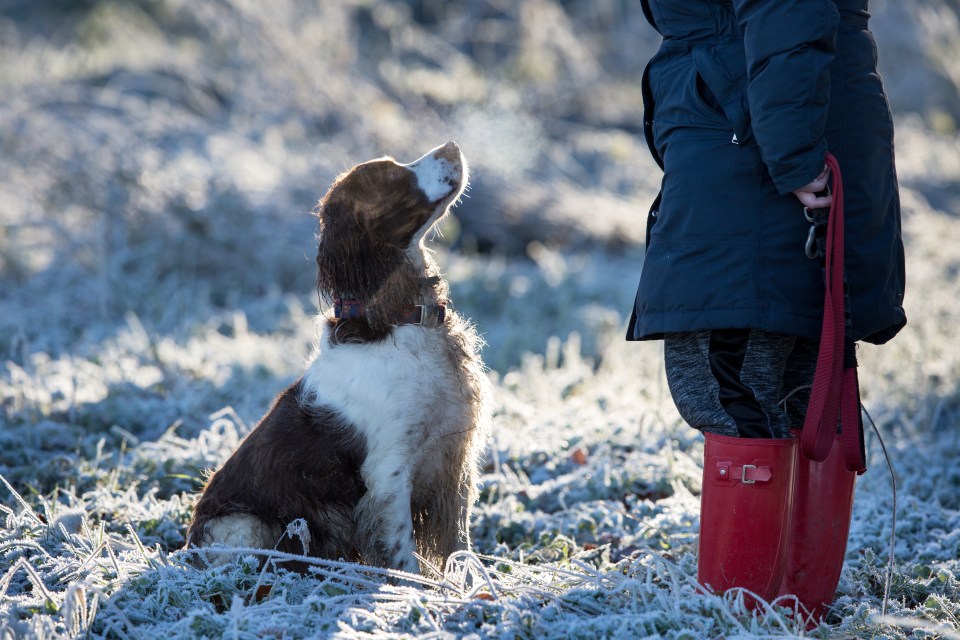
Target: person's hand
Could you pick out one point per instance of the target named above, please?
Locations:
(808, 194)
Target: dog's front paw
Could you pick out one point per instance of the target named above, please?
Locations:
(394, 552)
(385, 532)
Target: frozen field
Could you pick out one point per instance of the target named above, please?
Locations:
(158, 162)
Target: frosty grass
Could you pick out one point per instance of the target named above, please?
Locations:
(587, 522)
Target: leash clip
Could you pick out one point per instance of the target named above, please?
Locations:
(810, 248)
(818, 219)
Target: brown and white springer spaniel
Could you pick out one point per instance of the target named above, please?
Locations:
(376, 446)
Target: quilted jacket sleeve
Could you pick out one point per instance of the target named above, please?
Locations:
(789, 47)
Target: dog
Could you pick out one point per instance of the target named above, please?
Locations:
(375, 448)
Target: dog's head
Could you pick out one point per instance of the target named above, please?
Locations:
(374, 218)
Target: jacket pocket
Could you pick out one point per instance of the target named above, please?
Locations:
(723, 70)
(649, 109)
(672, 81)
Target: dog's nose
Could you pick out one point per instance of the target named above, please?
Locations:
(449, 152)
(441, 173)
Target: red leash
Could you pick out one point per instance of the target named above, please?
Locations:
(835, 397)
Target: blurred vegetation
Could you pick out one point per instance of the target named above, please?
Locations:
(163, 156)
(158, 155)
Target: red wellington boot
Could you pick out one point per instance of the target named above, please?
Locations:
(745, 512)
(822, 506)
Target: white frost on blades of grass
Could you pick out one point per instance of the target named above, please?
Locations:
(147, 382)
(580, 441)
(142, 593)
(103, 564)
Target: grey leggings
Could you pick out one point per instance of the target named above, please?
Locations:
(740, 381)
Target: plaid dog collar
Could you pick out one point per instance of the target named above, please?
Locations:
(427, 315)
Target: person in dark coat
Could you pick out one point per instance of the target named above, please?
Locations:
(742, 103)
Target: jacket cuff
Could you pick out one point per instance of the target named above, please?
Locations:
(803, 172)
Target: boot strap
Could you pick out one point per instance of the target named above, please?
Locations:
(746, 474)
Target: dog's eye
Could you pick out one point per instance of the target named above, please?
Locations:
(382, 172)
(397, 174)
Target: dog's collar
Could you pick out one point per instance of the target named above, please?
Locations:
(427, 315)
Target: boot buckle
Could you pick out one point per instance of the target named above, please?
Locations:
(748, 473)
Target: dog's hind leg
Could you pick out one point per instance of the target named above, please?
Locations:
(232, 531)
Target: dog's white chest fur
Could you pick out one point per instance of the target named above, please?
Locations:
(398, 392)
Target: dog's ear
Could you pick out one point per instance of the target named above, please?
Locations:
(353, 261)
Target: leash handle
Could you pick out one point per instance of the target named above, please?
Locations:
(835, 396)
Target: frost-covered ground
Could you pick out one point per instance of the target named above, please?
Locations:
(588, 517)
(156, 273)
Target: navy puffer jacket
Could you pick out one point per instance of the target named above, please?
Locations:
(742, 102)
